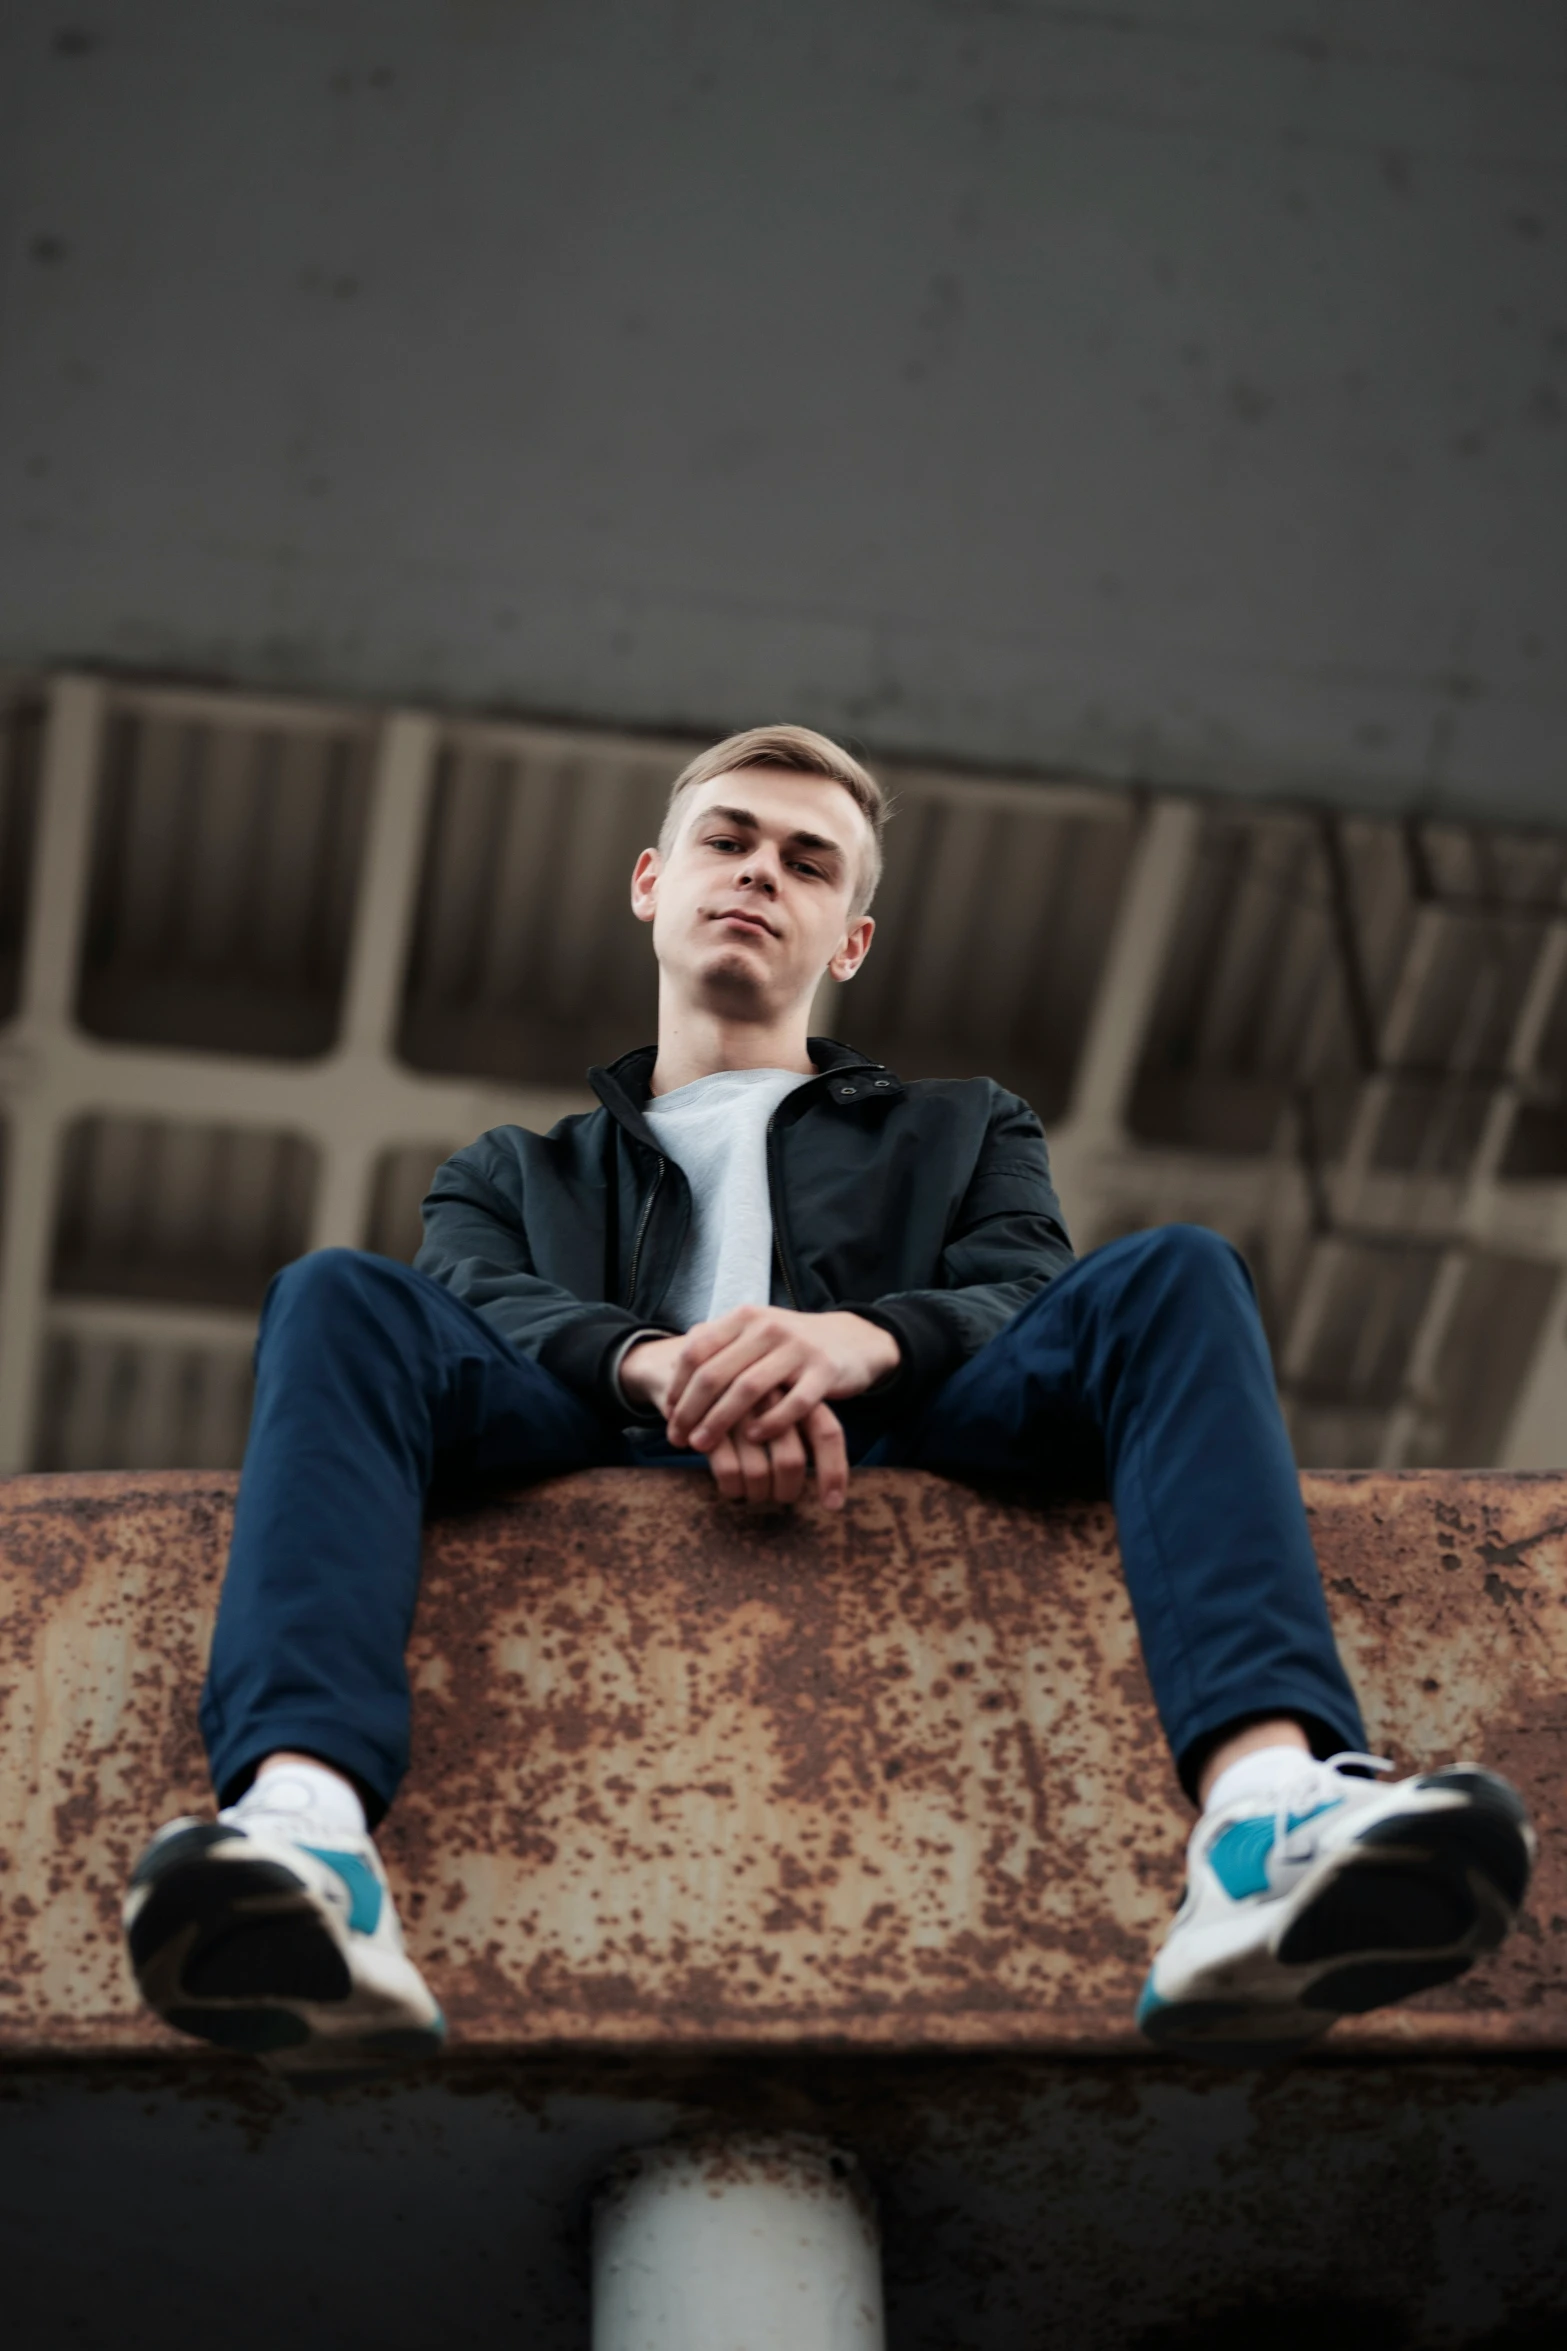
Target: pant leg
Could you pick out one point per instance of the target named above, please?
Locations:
(371, 1382)
(1143, 1371)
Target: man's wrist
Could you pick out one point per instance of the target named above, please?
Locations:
(633, 1407)
(887, 1350)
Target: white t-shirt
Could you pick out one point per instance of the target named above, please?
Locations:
(715, 1130)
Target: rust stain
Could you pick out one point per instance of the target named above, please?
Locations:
(814, 2172)
(685, 1777)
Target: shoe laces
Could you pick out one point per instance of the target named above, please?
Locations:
(1298, 1792)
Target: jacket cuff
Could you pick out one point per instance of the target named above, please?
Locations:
(930, 1350)
(583, 1354)
(640, 1415)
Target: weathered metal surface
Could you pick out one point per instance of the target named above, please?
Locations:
(1370, 2207)
(686, 1776)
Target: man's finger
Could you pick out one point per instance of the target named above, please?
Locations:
(752, 1387)
(706, 1404)
(824, 1435)
(790, 1407)
(705, 1340)
(701, 1343)
(791, 1465)
(710, 1376)
(757, 1471)
(724, 1462)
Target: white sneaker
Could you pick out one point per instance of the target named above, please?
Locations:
(263, 1931)
(1330, 1896)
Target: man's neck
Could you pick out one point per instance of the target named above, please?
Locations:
(696, 1043)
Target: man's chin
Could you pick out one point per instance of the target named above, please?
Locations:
(733, 976)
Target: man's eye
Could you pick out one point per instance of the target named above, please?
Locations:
(814, 871)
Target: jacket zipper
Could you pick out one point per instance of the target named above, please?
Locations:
(773, 1191)
(642, 1223)
(772, 1201)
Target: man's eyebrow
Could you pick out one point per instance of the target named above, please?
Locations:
(743, 816)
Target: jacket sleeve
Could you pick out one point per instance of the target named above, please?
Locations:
(476, 1245)
(1007, 1240)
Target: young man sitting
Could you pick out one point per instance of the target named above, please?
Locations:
(768, 1251)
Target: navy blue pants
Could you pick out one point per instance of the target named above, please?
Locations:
(1142, 1372)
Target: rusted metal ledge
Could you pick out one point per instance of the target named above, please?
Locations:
(687, 1778)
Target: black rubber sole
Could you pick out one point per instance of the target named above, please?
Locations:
(1195, 2030)
(1377, 1983)
(1423, 1904)
(230, 1930)
(252, 2032)
(1490, 1834)
(1427, 1893)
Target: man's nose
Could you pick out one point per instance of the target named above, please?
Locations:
(760, 872)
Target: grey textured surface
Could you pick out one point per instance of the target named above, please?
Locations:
(1173, 390)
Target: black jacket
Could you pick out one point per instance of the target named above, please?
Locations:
(926, 1207)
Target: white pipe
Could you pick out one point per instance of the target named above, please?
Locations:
(761, 2243)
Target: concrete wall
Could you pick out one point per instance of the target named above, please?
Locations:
(1174, 390)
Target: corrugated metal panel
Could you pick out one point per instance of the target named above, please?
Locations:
(992, 928)
(1292, 947)
(133, 1404)
(225, 861)
(526, 963)
(21, 727)
(402, 1178)
(1375, 1299)
(1253, 1004)
(1496, 1326)
(1539, 1142)
(197, 1214)
(1358, 1374)
(1492, 895)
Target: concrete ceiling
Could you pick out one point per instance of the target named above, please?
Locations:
(1173, 390)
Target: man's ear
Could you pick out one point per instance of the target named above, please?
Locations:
(644, 885)
(856, 946)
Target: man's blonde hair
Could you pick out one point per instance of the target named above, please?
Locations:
(799, 751)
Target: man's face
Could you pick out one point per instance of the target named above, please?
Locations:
(751, 905)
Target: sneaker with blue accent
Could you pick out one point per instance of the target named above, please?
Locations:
(1330, 1895)
(264, 1932)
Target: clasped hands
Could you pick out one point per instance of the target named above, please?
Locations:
(753, 1392)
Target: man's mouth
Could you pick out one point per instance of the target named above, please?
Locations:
(749, 922)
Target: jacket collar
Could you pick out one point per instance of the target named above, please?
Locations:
(623, 1086)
